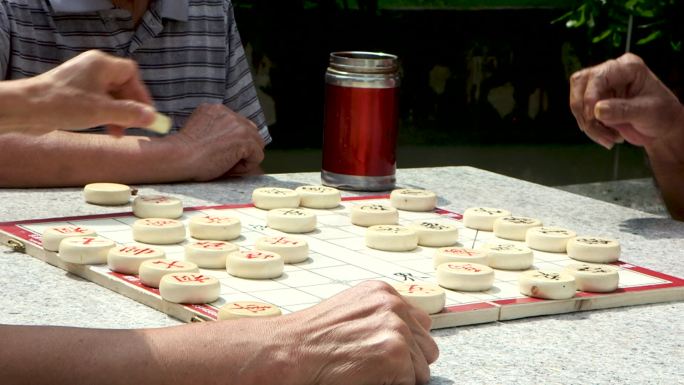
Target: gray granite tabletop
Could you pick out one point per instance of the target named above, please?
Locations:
(632, 345)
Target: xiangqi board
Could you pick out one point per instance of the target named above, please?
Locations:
(339, 259)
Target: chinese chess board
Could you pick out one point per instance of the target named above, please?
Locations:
(339, 259)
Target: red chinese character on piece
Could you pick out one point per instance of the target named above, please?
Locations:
(70, 229)
(211, 219)
(461, 252)
(88, 241)
(468, 267)
(158, 222)
(283, 241)
(419, 289)
(190, 278)
(254, 308)
(210, 245)
(156, 199)
(169, 264)
(136, 250)
(257, 255)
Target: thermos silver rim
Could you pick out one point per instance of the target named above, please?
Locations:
(359, 69)
(363, 62)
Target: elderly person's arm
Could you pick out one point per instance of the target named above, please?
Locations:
(623, 100)
(96, 89)
(365, 335)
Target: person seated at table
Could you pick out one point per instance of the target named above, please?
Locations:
(366, 335)
(623, 100)
(192, 59)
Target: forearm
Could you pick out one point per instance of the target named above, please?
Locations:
(74, 159)
(670, 179)
(235, 353)
(666, 157)
(17, 104)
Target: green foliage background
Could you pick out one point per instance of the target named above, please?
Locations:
(607, 21)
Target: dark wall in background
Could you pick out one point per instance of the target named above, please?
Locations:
(488, 76)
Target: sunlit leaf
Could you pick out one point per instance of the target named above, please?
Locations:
(654, 35)
(602, 35)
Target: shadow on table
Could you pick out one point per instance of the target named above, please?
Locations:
(437, 380)
(234, 190)
(654, 228)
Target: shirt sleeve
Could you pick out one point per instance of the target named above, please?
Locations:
(4, 42)
(241, 95)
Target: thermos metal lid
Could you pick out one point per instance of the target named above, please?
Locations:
(363, 62)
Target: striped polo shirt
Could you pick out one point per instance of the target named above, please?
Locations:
(189, 51)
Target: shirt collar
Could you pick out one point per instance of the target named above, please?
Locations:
(170, 9)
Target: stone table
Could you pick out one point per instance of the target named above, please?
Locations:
(641, 344)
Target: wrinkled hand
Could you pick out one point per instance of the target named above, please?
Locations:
(217, 141)
(622, 99)
(90, 90)
(365, 335)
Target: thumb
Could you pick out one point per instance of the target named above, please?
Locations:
(613, 112)
(123, 113)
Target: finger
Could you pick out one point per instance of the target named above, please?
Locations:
(633, 136)
(126, 82)
(421, 369)
(255, 155)
(124, 113)
(422, 318)
(115, 131)
(605, 136)
(578, 86)
(422, 336)
(635, 112)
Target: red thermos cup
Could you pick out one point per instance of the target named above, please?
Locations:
(361, 118)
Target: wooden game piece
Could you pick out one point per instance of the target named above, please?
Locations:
(247, 309)
(152, 271)
(161, 124)
(107, 194)
(459, 254)
(594, 278)
(551, 239)
(374, 214)
(508, 256)
(319, 197)
(435, 233)
(413, 199)
(391, 238)
(85, 250)
(594, 249)
(215, 228)
(547, 284)
(158, 231)
(255, 264)
(425, 296)
(53, 236)
(192, 288)
(268, 198)
(157, 206)
(209, 254)
(295, 221)
(127, 259)
(514, 228)
(293, 250)
(465, 276)
(482, 218)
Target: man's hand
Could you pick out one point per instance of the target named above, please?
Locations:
(216, 141)
(89, 90)
(365, 335)
(622, 99)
